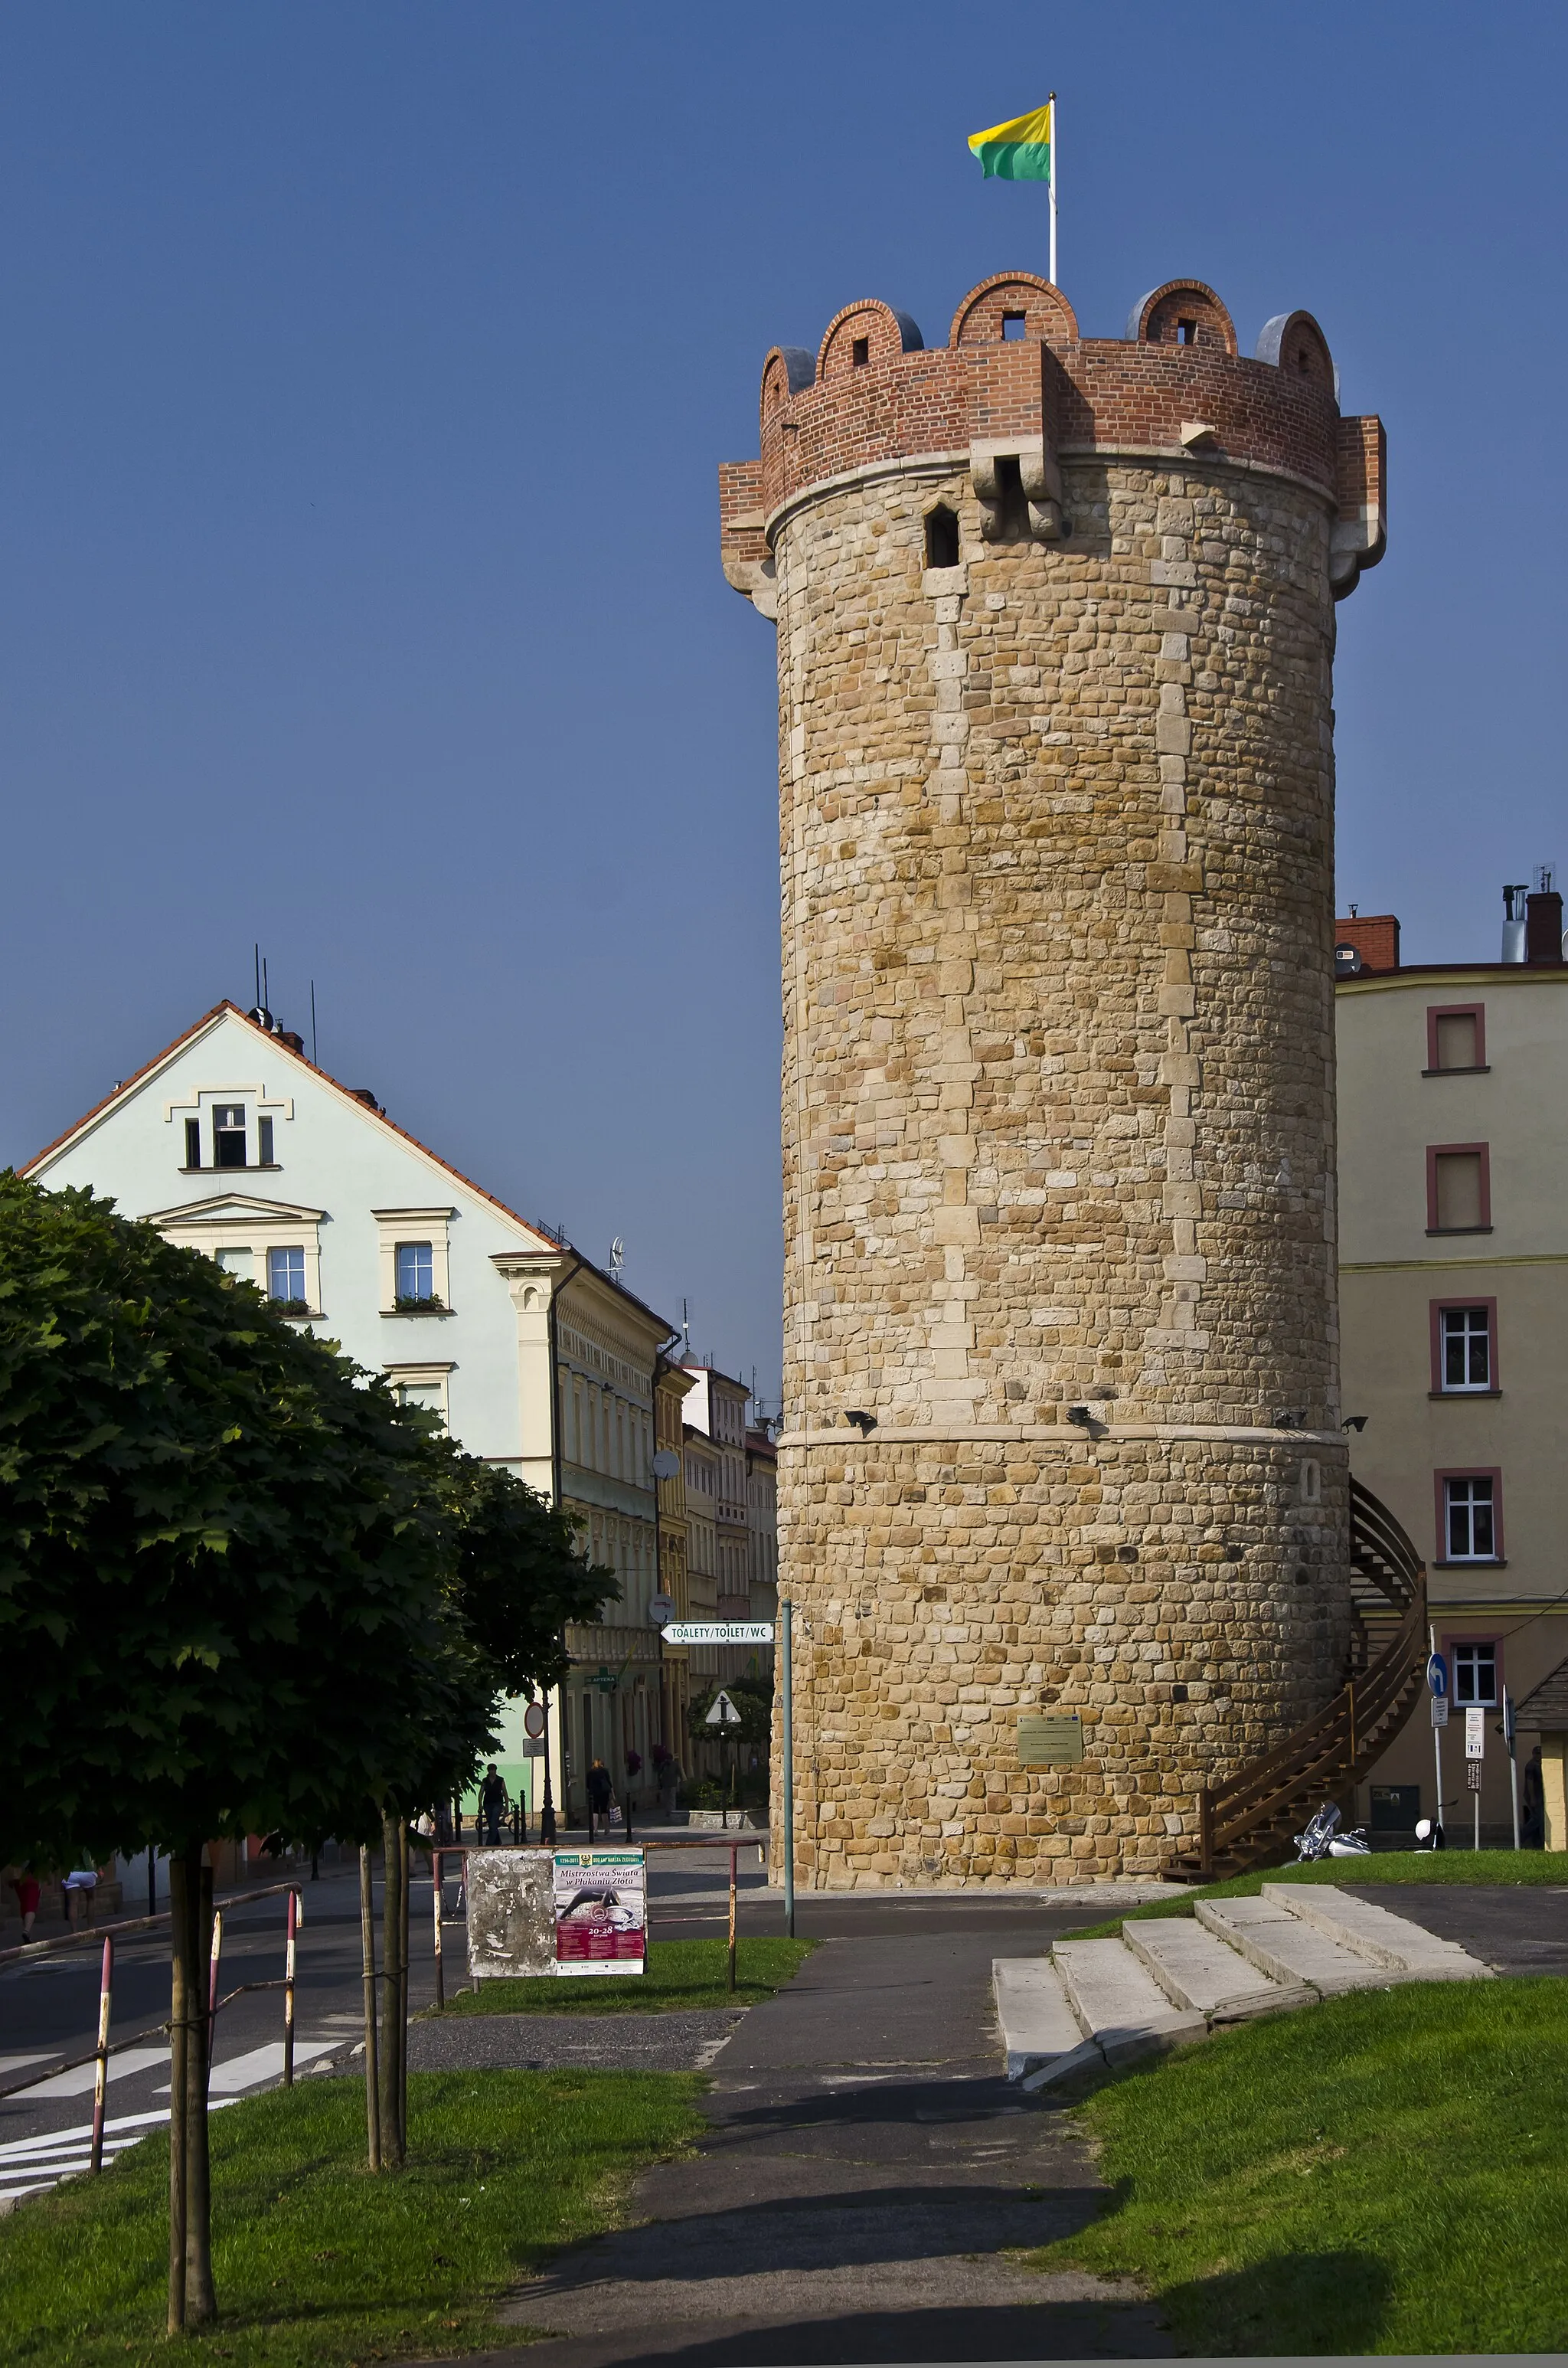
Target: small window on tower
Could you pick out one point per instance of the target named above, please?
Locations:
(941, 538)
(1186, 331)
(1012, 325)
(860, 353)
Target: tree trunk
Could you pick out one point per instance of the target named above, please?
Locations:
(402, 1997)
(200, 2300)
(367, 1960)
(180, 2011)
(392, 2025)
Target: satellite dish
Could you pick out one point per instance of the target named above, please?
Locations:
(662, 1610)
(666, 1463)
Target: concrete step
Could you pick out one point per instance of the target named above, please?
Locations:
(1040, 2031)
(1195, 1968)
(1290, 1950)
(1118, 2002)
(1377, 1933)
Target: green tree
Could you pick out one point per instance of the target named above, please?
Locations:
(228, 1565)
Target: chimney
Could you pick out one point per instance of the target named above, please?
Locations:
(1366, 941)
(1543, 924)
(1513, 923)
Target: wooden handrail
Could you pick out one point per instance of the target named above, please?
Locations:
(1330, 1750)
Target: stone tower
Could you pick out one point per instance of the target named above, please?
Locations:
(1062, 1482)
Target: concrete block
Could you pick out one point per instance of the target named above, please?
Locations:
(1377, 1933)
(1118, 2002)
(1037, 2024)
(1279, 1944)
(1196, 1969)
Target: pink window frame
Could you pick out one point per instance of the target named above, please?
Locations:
(1435, 1011)
(1438, 1307)
(1492, 1472)
(1448, 1637)
(1435, 1150)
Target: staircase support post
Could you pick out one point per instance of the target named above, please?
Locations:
(1206, 1831)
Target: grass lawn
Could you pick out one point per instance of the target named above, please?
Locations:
(316, 2261)
(1383, 2173)
(1499, 1866)
(680, 1973)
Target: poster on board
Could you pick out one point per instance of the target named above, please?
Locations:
(601, 1911)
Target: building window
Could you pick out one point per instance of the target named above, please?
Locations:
(1463, 1346)
(1475, 1676)
(421, 1386)
(1456, 1037)
(229, 1134)
(264, 1142)
(286, 1276)
(1470, 1516)
(415, 1270)
(1013, 324)
(414, 1263)
(237, 1262)
(1459, 1189)
(860, 352)
(193, 1142)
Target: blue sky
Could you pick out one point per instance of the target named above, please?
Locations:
(363, 374)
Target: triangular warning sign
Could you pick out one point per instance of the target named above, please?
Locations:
(722, 1712)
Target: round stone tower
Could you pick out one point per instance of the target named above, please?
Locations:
(1062, 1482)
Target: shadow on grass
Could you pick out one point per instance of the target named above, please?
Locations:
(1287, 2303)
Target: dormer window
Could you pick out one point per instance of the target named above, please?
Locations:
(229, 1134)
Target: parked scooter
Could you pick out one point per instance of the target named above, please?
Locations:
(1324, 1838)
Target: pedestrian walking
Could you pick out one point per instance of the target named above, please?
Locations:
(669, 1787)
(601, 1791)
(492, 1805)
(27, 1889)
(1532, 1833)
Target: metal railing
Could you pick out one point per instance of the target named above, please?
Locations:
(1243, 1821)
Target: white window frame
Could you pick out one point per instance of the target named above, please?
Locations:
(1461, 1389)
(394, 1225)
(1471, 1505)
(258, 1227)
(1474, 1646)
(259, 1104)
(429, 1375)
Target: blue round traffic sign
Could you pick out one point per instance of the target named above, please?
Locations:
(1437, 1675)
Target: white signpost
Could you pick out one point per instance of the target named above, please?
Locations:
(719, 1632)
(760, 1632)
(1474, 1753)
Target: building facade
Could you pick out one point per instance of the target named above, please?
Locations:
(1453, 1084)
(233, 1144)
(1055, 627)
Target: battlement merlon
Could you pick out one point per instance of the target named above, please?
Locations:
(1016, 380)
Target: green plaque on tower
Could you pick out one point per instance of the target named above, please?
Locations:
(1046, 1739)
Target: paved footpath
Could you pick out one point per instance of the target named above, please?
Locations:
(867, 2171)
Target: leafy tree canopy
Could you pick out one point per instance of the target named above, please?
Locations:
(240, 1589)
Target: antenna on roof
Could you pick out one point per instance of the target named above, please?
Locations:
(314, 1063)
(256, 950)
(685, 1335)
(617, 1258)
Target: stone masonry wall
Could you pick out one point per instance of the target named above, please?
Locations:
(1058, 924)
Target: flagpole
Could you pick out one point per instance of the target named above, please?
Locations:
(1051, 185)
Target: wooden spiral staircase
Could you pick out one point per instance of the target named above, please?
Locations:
(1249, 1820)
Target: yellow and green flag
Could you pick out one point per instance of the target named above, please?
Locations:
(1019, 151)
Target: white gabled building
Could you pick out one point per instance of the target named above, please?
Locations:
(232, 1143)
